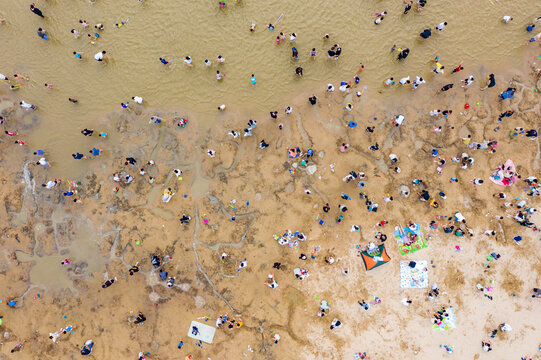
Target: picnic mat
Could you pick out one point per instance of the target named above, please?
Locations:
(417, 277)
(448, 322)
(499, 176)
(404, 238)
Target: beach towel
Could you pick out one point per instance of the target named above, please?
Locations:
(414, 277)
(499, 176)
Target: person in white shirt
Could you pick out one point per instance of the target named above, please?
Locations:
(399, 119)
(100, 56)
(292, 37)
(188, 61)
(50, 184)
(243, 264)
(55, 336)
(3, 77)
(467, 81)
(507, 18)
(330, 88)
(405, 80)
(418, 81)
(207, 62)
(26, 105)
(137, 99)
(441, 26)
(459, 217)
(405, 302)
(221, 107)
(43, 162)
(289, 110)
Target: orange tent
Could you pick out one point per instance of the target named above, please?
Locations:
(374, 258)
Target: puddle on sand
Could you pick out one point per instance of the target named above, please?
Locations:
(47, 273)
(82, 249)
(166, 214)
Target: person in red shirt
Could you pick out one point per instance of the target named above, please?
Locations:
(458, 68)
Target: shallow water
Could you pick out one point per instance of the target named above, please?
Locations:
(475, 35)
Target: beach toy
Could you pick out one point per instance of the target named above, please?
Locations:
(477, 103)
(138, 242)
(466, 106)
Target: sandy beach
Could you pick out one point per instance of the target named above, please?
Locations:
(252, 211)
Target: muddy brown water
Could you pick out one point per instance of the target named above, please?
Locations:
(475, 35)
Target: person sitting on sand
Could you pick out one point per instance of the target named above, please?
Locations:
(271, 282)
(335, 323)
(140, 319)
(491, 82)
(134, 269)
(108, 283)
(86, 349)
(185, 219)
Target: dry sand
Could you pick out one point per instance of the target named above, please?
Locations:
(41, 228)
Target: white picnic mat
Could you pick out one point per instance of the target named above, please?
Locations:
(416, 277)
(206, 332)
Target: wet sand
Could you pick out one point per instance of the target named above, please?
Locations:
(107, 233)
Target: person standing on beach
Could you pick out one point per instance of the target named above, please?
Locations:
(441, 26)
(42, 34)
(425, 34)
(35, 10)
(407, 6)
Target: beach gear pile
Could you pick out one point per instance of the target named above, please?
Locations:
(289, 238)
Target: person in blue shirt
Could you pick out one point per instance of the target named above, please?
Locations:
(163, 61)
(42, 34)
(95, 152)
(39, 152)
(78, 156)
